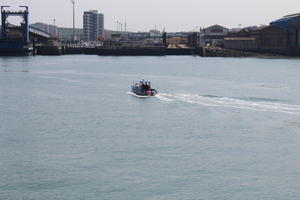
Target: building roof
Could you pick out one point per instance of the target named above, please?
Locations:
(261, 28)
(216, 26)
(293, 15)
(284, 21)
(264, 27)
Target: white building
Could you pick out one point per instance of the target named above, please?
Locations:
(155, 33)
(213, 35)
(93, 25)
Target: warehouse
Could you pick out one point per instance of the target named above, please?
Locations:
(282, 36)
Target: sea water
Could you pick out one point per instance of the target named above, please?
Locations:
(220, 128)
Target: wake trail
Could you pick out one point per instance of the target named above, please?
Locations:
(137, 96)
(61, 79)
(215, 101)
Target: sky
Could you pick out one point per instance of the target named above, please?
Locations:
(171, 15)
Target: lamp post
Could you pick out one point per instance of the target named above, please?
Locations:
(54, 32)
(73, 2)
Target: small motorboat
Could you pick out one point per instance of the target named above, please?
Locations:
(143, 88)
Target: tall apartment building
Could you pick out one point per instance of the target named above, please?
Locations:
(93, 25)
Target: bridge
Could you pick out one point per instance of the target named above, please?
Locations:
(35, 33)
(20, 39)
(38, 34)
(27, 32)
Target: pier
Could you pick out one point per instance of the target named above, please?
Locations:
(24, 40)
(14, 40)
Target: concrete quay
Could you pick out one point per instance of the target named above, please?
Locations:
(144, 51)
(133, 51)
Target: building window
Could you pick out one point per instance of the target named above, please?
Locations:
(216, 30)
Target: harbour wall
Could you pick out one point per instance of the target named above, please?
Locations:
(131, 51)
(201, 51)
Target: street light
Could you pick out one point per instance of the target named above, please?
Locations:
(73, 2)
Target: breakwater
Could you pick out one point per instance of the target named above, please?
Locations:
(200, 51)
(146, 51)
(134, 51)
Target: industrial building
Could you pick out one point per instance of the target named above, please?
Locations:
(282, 36)
(213, 35)
(93, 25)
(291, 23)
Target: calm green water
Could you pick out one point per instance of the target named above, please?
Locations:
(220, 128)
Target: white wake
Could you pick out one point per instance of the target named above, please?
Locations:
(214, 101)
(137, 96)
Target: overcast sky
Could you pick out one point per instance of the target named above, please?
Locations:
(173, 15)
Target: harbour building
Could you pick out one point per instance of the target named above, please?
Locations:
(213, 35)
(93, 25)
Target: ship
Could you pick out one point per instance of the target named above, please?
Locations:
(143, 88)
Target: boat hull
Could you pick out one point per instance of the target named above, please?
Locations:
(15, 48)
(141, 92)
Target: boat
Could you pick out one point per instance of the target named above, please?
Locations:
(143, 88)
